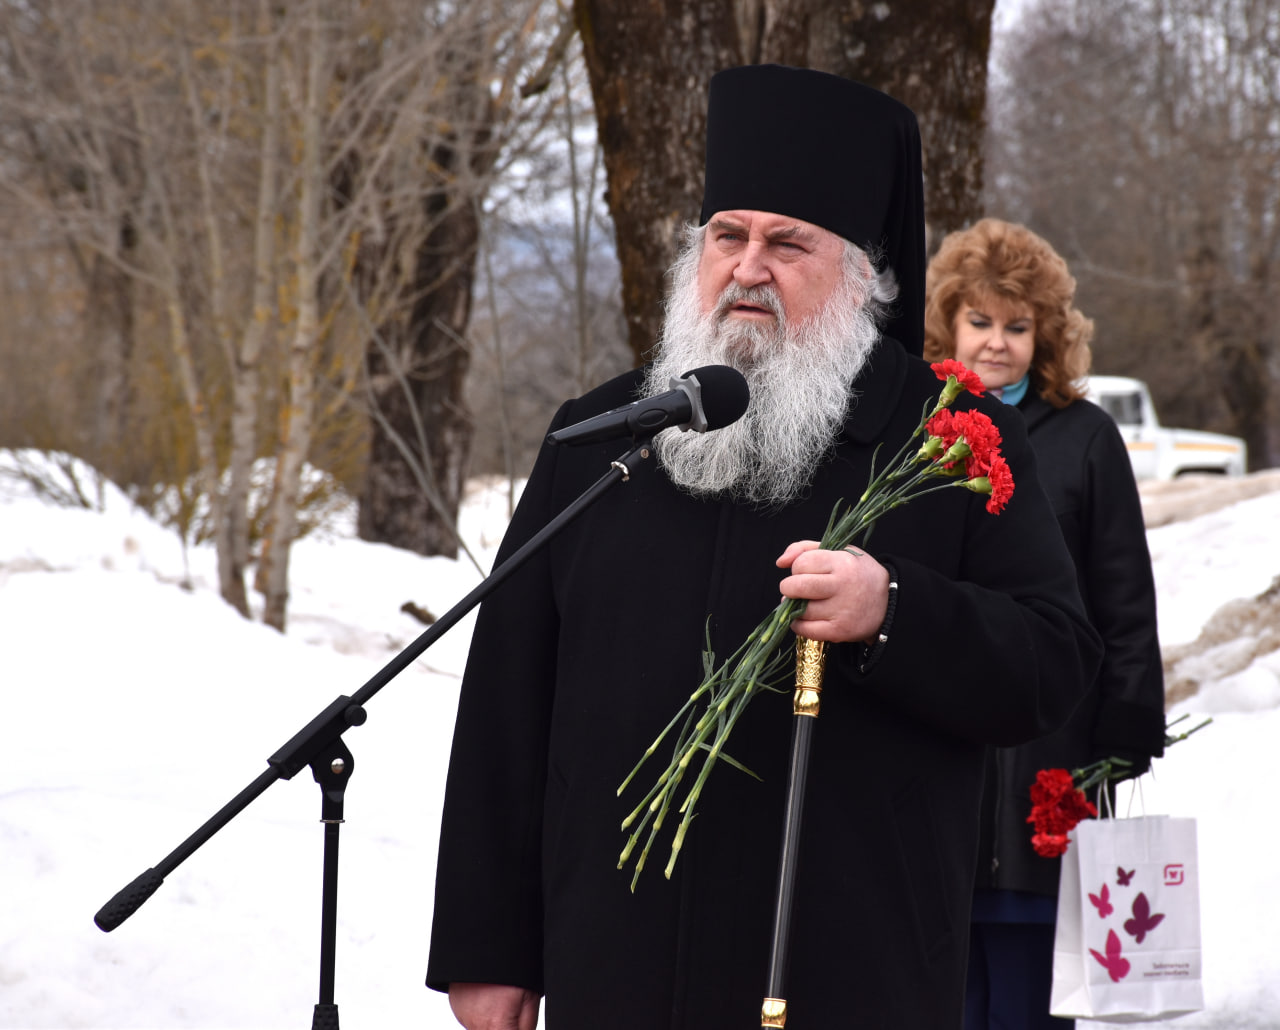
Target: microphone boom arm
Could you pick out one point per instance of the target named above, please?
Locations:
(322, 735)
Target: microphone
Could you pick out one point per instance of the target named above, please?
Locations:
(710, 397)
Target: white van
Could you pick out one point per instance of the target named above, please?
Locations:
(1157, 452)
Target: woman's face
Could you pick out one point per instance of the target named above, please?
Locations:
(995, 339)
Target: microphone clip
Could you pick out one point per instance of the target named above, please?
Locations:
(688, 385)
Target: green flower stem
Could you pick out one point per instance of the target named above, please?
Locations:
(1171, 739)
(898, 464)
(1113, 768)
(648, 802)
(690, 802)
(1100, 772)
(755, 658)
(653, 834)
(702, 689)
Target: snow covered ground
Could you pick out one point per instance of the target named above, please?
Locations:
(136, 708)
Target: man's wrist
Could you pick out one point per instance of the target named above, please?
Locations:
(873, 648)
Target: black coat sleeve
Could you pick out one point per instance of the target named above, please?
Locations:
(1116, 577)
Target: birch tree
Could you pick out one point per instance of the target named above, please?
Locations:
(310, 88)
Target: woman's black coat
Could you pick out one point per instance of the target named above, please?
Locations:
(582, 657)
(1087, 476)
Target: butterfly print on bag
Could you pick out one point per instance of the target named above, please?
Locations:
(1103, 903)
(1143, 921)
(1116, 965)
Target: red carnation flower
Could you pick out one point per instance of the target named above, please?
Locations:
(941, 426)
(986, 471)
(1050, 845)
(947, 427)
(1050, 786)
(1001, 479)
(951, 367)
(1056, 807)
(983, 438)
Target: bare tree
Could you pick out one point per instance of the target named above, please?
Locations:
(52, 173)
(549, 324)
(342, 149)
(1143, 138)
(456, 129)
(309, 87)
(120, 109)
(650, 75)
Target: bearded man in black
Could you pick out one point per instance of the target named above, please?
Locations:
(806, 273)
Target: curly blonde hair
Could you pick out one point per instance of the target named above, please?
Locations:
(1006, 263)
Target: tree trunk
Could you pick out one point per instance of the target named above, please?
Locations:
(169, 247)
(421, 430)
(1246, 389)
(932, 56)
(246, 385)
(297, 415)
(650, 64)
(109, 295)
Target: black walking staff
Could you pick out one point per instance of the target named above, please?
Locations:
(810, 664)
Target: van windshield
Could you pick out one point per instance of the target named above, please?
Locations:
(1125, 408)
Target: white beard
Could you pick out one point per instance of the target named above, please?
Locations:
(799, 377)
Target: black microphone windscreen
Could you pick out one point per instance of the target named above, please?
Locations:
(724, 394)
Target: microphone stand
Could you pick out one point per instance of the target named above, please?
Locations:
(319, 745)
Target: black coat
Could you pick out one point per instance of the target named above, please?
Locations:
(584, 655)
(1087, 476)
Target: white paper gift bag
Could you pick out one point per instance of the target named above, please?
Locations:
(1127, 947)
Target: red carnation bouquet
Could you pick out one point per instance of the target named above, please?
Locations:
(960, 448)
(1059, 801)
(1057, 805)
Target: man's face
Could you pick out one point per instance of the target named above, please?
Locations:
(800, 261)
(800, 335)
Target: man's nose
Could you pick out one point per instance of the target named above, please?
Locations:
(752, 268)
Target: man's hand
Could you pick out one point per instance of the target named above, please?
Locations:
(848, 593)
(493, 1006)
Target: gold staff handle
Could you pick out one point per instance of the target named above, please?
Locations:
(811, 664)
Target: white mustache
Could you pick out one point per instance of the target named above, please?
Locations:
(765, 297)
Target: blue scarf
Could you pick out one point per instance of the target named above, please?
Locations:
(1014, 392)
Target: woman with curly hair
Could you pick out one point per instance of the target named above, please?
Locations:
(1001, 300)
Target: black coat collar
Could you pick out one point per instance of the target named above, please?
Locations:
(876, 392)
(1035, 409)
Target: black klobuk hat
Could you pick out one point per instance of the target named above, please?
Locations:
(826, 150)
